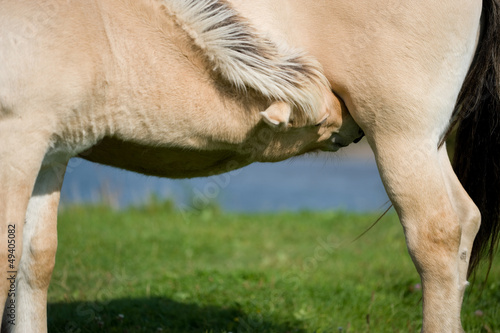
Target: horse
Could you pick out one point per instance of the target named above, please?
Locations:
(185, 88)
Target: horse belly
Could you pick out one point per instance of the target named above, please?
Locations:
(163, 161)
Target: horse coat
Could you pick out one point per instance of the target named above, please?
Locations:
(183, 88)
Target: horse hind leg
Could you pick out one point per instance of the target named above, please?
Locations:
(438, 219)
(467, 212)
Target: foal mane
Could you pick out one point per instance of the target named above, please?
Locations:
(247, 59)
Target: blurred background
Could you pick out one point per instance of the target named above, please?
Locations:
(346, 180)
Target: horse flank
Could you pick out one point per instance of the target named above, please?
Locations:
(248, 60)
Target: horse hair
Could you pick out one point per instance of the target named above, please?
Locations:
(477, 151)
(246, 59)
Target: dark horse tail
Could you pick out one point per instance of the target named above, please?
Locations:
(477, 151)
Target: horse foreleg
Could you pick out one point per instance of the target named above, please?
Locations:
(23, 145)
(40, 245)
(438, 219)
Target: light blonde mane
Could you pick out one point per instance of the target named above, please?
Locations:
(247, 59)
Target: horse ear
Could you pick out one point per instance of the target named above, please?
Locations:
(277, 114)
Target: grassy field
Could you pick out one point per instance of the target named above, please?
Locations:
(158, 269)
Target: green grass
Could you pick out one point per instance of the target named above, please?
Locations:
(156, 269)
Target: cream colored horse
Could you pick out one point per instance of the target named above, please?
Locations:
(183, 88)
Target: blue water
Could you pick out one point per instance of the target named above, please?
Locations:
(302, 183)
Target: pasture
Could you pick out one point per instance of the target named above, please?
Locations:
(158, 269)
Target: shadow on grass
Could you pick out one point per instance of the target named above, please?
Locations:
(157, 314)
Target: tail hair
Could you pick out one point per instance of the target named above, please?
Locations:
(477, 150)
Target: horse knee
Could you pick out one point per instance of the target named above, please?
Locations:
(38, 262)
